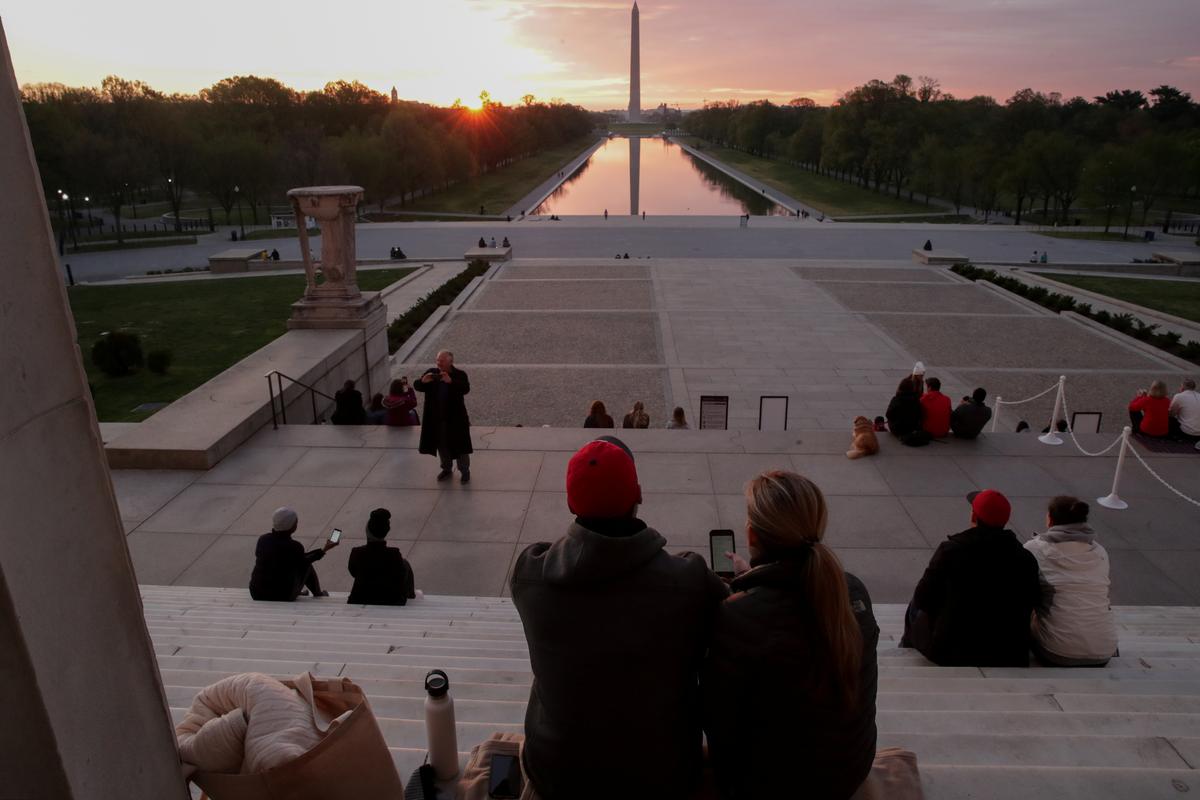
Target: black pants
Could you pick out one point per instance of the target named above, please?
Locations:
(918, 633)
(1176, 432)
(307, 580)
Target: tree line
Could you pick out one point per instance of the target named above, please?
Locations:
(126, 140)
(1118, 150)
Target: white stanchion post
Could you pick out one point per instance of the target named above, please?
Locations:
(1051, 435)
(996, 415)
(1113, 500)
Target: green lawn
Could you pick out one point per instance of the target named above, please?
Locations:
(278, 233)
(833, 197)
(208, 325)
(132, 244)
(938, 219)
(498, 191)
(1173, 297)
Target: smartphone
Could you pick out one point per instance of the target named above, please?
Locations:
(336, 536)
(721, 542)
(504, 781)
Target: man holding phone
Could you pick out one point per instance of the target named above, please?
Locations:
(617, 628)
(281, 567)
(446, 430)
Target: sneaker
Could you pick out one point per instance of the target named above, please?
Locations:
(321, 594)
(444, 475)
(466, 477)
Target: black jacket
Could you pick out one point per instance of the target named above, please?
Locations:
(445, 408)
(977, 594)
(349, 409)
(381, 576)
(904, 413)
(617, 628)
(968, 419)
(280, 566)
(774, 729)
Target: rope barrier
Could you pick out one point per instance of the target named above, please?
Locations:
(1071, 431)
(1159, 478)
(1000, 402)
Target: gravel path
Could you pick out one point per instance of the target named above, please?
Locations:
(958, 298)
(551, 338)
(533, 396)
(618, 269)
(628, 295)
(849, 273)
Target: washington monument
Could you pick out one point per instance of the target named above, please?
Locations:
(635, 71)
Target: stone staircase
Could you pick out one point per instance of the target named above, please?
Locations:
(1131, 730)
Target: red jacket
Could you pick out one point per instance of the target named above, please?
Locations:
(1155, 414)
(935, 416)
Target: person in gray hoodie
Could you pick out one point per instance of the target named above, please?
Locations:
(617, 629)
(1073, 625)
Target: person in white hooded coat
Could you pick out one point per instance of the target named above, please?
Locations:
(1074, 626)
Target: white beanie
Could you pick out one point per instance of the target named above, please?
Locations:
(284, 519)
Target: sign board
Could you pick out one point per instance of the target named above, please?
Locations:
(714, 412)
(772, 413)
(1086, 421)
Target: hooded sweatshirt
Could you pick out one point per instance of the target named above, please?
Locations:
(616, 628)
(1077, 621)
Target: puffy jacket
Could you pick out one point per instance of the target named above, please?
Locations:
(1075, 619)
(1156, 413)
(774, 731)
(381, 575)
(978, 592)
(968, 418)
(617, 628)
(904, 413)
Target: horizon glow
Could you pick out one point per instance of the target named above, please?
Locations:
(578, 50)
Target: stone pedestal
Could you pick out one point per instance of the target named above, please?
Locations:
(338, 312)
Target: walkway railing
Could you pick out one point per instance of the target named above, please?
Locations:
(275, 388)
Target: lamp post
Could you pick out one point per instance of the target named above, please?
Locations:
(87, 209)
(237, 193)
(62, 225)
(1129, 212)
(71, 220)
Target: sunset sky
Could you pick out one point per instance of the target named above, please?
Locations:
(578, 50)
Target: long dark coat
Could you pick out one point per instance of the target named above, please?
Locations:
(453, 411)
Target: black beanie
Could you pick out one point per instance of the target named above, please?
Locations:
(379, 524)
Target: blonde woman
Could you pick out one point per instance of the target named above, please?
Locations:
(790, 680)
(1150, 411)
(637, 417)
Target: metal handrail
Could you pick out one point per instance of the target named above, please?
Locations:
(312, 394)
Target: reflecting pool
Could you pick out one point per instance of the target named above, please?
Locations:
(629, 175)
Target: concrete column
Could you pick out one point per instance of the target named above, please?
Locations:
(85, 715)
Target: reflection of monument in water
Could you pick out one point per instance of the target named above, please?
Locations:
(635, 70)
(635, 172)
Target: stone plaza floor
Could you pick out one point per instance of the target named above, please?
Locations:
(887, 513)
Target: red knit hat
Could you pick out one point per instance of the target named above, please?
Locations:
(602, 480)
(990, 508)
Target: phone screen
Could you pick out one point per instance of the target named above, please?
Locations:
(720, 542)
(504, 780)
(336, 536)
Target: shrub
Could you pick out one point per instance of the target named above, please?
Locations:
(115, 353)
(158, 361)
(406, 324)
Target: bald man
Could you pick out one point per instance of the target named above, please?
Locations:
(446, 428)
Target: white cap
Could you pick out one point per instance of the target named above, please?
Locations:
(284, 519)
(919, 368)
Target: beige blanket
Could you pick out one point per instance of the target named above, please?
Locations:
(246, 723)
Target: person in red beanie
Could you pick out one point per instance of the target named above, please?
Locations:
(973, 604)
(617, 628)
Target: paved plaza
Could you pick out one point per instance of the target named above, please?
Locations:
(886, 513)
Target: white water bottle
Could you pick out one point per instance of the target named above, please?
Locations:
(439, 726)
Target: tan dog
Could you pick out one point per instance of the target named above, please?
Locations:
(864, 443)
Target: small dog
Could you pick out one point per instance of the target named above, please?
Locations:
(864, 442)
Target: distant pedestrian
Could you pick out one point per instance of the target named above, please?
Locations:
(637, 417)
(482, 243)
(643, 216)
(481, 211)
(606, 213)
(598, 416)
(493, 242)
(274, 255)
(928, 245)
(349, 406)
(505, 243)
(678, 420)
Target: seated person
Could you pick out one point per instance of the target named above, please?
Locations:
(1074, 625)
(376, 414)
(400, 404)
(973, 604)
(598, 416)
(1150, 411)
(381, 575)
(969, 419)
(904, 410)
(1185, 412)
(281, 567)
(791, 675)
(349, 406)
(935, 410)
(637, 417)
(617, 628)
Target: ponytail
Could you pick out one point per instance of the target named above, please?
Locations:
(788, 515)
